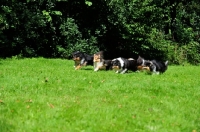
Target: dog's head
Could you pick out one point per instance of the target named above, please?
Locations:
(77, 55)
(140, 61)
(98, 57)
(150, 65)
(79, 59)
(143, 64)
(116, 64)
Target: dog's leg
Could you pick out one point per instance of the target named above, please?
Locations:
(76, 64)
(119, 71)
(85, 64)
(95, 66)
(154, 72)
(157, 73)
(78, 67)
(154, 69)
(123, 71)
(96, 69)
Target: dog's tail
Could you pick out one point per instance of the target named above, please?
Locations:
(166, 63)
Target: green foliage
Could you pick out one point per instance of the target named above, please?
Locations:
(55, 28)
(73, 40)
(180, 54)
(88, 3)
(156, 45)
(193, 55)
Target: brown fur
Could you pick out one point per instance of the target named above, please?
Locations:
(140, 68)
(99, 62)
(141, 64)
(78, 67)
(97, 58)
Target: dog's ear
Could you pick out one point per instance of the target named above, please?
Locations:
(139, 57)
(166, 63)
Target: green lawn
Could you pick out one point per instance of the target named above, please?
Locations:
(48, 95)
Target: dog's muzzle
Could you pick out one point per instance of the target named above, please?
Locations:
(115, 67)
(143, 68)
(76, 58)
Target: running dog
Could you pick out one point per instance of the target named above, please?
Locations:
(156, 66)
(100, 63)
(81, 59)
(122, 65)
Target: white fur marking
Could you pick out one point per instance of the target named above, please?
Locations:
(124, 71)
(154, 69)
(142, 62)
(82, 61)
(121, 61)
(97, 65)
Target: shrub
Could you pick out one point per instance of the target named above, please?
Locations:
(74, 41)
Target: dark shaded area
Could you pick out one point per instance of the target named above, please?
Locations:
(55, 29)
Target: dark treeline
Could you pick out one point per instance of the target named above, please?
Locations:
(166, 29)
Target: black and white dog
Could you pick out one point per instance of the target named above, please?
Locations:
(122, 65)
(81, 59)
(156, 66)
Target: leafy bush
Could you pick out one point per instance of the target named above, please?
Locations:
(74, 41)
(180, 54)
(193, 53)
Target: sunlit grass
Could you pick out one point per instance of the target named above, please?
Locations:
(49, 95)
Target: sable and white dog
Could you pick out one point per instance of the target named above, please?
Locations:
(122, 65)
(100, 62)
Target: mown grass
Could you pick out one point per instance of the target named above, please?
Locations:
(48, 95)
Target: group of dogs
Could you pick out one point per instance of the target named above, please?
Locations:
(119, 65)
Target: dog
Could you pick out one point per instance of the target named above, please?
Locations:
(122, 65)
(157, 67)
(141, 64)
(81, 59)
(100, 63)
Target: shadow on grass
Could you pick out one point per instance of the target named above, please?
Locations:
(5, 126)
(87, 68)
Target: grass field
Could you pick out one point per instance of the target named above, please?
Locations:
(48, 95)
